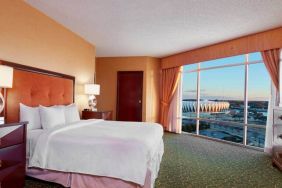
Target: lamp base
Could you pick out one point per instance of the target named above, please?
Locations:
(2, 102)
(2, 120)
(92, 102)
(93, 109)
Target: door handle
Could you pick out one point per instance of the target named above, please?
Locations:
(139, 101)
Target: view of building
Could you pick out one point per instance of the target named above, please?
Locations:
(226, 111)
(205, 106)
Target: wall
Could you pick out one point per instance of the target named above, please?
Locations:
(29, 37)
(153, 89)
(251, 43)
(280, 79)
(106, 76)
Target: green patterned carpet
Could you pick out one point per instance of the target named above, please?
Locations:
(196, 162)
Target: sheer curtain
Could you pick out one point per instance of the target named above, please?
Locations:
(272, 62)
(169, 85)
(273, 102)
(175, 110)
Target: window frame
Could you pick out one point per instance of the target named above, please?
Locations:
(244, 125)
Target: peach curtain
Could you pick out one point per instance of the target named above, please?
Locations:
(169, 82)
(271, 61)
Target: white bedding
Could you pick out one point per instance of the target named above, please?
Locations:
(32, 137)
(123, 150)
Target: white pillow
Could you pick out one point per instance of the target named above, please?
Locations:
(51, 116)
(30, 114)
(71, 113)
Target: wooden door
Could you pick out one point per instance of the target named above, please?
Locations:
(129, 95)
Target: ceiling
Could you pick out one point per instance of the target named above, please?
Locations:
(160, 28)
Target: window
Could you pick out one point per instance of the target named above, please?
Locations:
(189, 101)
(227, 99)
(223, 92)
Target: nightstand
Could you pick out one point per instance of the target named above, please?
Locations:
(106, 115)
(277, 140)
(12, 154)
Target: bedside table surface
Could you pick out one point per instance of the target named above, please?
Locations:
(99, 111)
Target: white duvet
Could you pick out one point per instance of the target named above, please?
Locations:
(104, 148)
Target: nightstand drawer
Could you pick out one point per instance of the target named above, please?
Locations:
(12, 175)
(11, 135)
(277, 116)
(13, 153)
(106, 115)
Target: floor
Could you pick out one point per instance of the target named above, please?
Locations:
(196, 162)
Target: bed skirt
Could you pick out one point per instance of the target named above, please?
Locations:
(75, 180)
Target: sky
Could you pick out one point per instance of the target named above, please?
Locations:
(228, 83)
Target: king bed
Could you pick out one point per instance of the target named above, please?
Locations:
(79, 153)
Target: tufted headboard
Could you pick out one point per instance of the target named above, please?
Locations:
(33, 87)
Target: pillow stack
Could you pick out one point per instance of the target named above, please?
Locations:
(48, 117)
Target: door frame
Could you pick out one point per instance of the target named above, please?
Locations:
(117, 94)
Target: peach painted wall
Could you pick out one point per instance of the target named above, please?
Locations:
(29, 37)
(153, 89)
(106, 76)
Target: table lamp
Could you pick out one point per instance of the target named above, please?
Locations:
(6, 81)
(91, 90)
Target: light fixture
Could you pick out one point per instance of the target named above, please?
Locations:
(6, 81)
(92, 90)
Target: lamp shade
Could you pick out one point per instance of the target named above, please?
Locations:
(6, 76)
(92, 89)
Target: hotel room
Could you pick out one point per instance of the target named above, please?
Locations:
(140, 94)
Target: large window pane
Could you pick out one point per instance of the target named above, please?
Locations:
(222, 131)
(222, 94)
(222, 91)
(224, 61)
(189, 125)
(256, 137)
(191, 67)
(255, 57)
(189, 95)
(258, 94)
